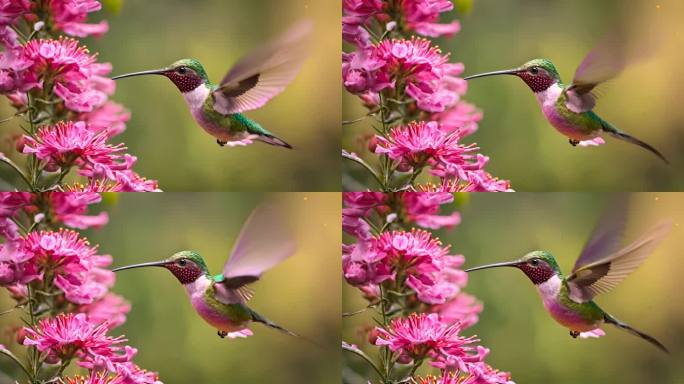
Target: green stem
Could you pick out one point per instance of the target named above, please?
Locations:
(361, 354)
(9, 354)
(16, 168)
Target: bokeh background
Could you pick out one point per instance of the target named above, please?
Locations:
(301, 294)
(523, 338)
(170, 146)
(644, 100)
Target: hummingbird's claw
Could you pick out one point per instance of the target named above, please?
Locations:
(574, 142)
(221, 143)
(222, 334)
(574, 334)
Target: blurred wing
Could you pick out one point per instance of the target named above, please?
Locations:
(264, 241)
(603, 275)
(607, 235)
(264, 73)
(603, 63)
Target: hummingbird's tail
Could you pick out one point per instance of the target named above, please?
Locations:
(260, 319)
(624, 136)
(270, 139)
(611, 320)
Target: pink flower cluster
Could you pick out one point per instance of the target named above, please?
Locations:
(68, 16)
(73, 336)
(403, 207)
(74, 266)
(63, 72)
(60, 272)
(421, 144)
(420, 16)
(413, 66)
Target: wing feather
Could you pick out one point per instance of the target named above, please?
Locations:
(264, 241)
(603, 275)
(603, 63)
(607, 234)
(264, 73)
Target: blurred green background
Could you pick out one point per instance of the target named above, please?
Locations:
(301, 294)
(644, 100)
(169, 145)
(523, 338)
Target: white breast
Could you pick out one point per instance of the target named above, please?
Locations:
(195, 98)
(549, 289)
(548, 97)
(197, 287)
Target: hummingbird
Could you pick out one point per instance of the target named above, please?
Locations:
(601, 266)
(569, 108)
(250, 84)
(221, 300)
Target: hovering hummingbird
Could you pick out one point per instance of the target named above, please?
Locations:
(569, 108)
(601, 266)
(250, 84)
(221, 300)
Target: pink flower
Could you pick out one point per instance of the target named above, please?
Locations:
(423, 143)
(72, 336)
(110, 309)
(462, 117)
(428, 268)
(423, 208)
(77, 269)
(110, 117)
(69, 143)
(422, 16)
(77, 78)
(463, 308)
(69, 15)
(420, 65)
(70, 208)
(422, 335)
(10, 10)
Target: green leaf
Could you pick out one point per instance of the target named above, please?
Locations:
(113, 6)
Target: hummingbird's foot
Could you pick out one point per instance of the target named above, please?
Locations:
(222, 334)
(221, 143)
(574, 142)
(574, 334)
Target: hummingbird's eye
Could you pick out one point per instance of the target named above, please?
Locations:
(182, 262)
(534, 262)
(534, 70)
(182, 70)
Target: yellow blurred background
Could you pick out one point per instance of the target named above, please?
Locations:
(644, 100)
(169, 145)
(523, 338)
(301, 294)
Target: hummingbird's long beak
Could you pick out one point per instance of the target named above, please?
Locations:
(141, 265)
(495, 73)
(141, 73)
(495, 265)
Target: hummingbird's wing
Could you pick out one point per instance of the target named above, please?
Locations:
(264, 241)
(603, 63)
(603, 275)
(263, 74)
(606, 237)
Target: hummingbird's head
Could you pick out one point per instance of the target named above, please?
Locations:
(186, 74)
(539, 266)
(538, 74)
(187, 266)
